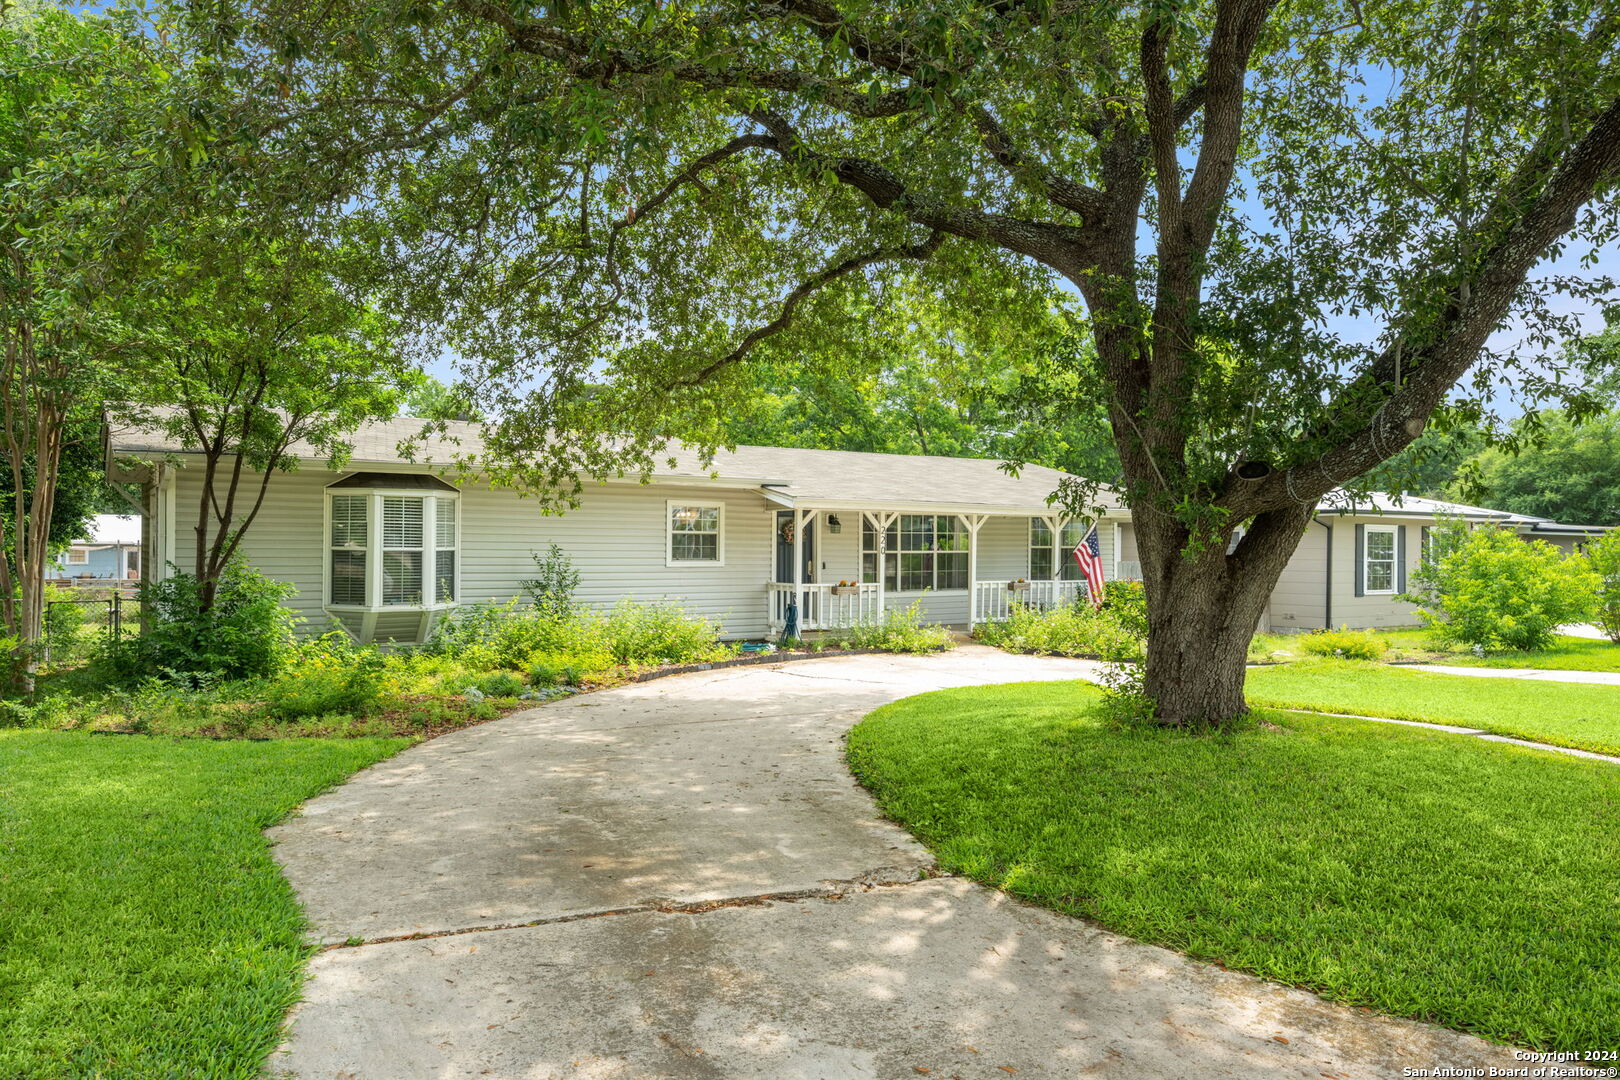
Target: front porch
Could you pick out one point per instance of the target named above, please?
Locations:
(848, 565)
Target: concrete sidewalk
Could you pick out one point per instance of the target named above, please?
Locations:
(1600, 678)
(681, 879)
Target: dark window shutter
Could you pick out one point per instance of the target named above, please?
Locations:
(1423, 544)
(1400, 558)
(1361, 560)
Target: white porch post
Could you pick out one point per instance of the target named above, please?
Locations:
(1055, 524)
(973, 522)
(798, 566)
(882, 521)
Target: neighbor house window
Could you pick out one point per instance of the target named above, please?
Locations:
(696, 533)
(1379, 559)
(391, 549)
(923, 551)
(1040, 550)
(78, 557)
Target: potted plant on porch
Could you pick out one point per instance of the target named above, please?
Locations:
(846, 588)
(1018, 585)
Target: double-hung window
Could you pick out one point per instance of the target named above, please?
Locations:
(695, 533)
(391, 548)
(921, 551)
(1041, 550)
(1378, 566)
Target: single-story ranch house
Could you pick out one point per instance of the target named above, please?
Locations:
(385, 546)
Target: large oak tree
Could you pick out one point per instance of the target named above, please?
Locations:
(657, 194)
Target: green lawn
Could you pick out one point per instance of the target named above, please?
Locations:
(144, 929)
(1422, 874)
(1565, 714)
(1566, 653)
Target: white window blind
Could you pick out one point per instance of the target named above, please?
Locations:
(349, 549)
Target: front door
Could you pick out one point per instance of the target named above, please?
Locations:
(784, 549)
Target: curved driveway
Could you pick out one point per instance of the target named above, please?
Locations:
(680, 879)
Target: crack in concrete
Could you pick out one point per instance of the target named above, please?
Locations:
(882, 877)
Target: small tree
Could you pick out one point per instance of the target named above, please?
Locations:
(552, 588)
(1496, 591)
(262, 352)
(1604, 557)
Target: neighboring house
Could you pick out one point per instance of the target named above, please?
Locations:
(112, 552)
(385, 547)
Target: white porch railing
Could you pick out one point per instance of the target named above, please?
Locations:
(996, 600)
(823, 606)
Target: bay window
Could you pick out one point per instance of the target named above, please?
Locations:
(391, 542)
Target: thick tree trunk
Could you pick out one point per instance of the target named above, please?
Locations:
(1203, 609)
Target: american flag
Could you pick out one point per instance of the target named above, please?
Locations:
(1088, 553)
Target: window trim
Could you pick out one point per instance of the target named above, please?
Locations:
(83, 557)
(719, 531)
(885, 552)
(1393, 532)
(374, 546)
(1062, 551)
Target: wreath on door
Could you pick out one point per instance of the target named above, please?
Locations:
(787, 532)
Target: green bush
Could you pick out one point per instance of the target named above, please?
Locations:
(567, 669)
(509, 637)
(1604, 558)
(1115, 633)
(1496, 591)
(898, 631)
(1349, 644)
(327, 676)
(245, 634)
(659, 633)
(500, 684)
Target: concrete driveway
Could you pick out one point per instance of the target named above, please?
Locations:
(680, 879)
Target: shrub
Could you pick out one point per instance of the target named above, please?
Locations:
(899, 631)
(500, 684)
(325, 676)
(1349, 644)
(1604, 558)
(555, 580)
(1495, 591)
(635, 633)
(1111, 633)
(567, 669)
(245, 634)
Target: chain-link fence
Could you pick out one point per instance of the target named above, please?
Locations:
(76, 629)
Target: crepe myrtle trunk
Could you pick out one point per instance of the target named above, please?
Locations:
(1203, 608)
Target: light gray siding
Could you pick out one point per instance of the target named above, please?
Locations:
(1369, 612)
(1299, 602)
(616, 539)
